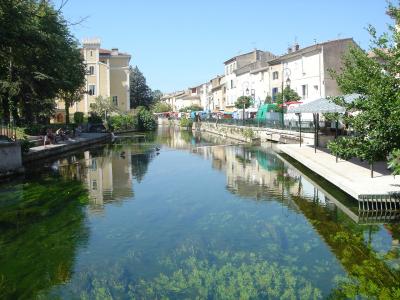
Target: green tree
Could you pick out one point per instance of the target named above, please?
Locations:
(103, 107)
(157, 95)
(160, 107)
(245, 101)
(193, 107)
(288, 95)
(33, 72)
(377, 121)
(140, 93)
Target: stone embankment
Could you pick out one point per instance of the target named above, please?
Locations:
(10, 159)
(86, 139)
(249, 134)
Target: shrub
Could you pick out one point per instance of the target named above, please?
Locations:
(26, 145)
(394, 162)
(248, 133)
(94, 118)
(185, 122)
(78, 117)
(145, 119)
(122, 122)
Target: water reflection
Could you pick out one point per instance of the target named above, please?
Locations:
(42, 226)
(195, 219)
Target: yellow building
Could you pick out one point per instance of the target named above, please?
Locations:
(107, 76)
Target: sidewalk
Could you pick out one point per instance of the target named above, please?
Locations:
(84, 139)
(353, 177)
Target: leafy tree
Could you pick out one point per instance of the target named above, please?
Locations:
(160, 107)
(140, 93)
(145, 119)
(33, 73)
(377, 121)
(103, 107)
(193, 107)
(78, 117)
(288, 95)
(157, 95)
(268, 100)
(394, 162)
(243, 100)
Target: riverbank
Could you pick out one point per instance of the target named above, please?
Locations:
(42, 152)
(353, 177)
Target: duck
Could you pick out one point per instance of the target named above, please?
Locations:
(158, 149)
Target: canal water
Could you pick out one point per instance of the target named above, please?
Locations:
(173, 215)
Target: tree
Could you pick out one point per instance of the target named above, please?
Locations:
(157, 95)
(140, 93)
(160, 107)
(245, 101)
(288, 95)
(33, 73)
(193, 107)
(377, 121)
(103, 107)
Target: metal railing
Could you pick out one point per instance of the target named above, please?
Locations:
(291, 125)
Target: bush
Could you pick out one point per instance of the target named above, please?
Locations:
(26, 145)
(190, 108)
(78, 117)
(145, 119)
(94, 118)
(122, 122)
(185, 122)
(41, 129)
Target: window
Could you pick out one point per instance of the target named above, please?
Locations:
(316, 88)
(232, 86)
(275, 75)
(94, 184)
(91, 70)
(304, 91)
(92, 90)
(115, 100)
(262, 76)
(91, 53)
(274, 92)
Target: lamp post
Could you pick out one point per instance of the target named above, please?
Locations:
(288, 81)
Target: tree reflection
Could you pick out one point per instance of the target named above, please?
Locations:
(42, 225)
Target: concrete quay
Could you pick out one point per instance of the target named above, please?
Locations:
(353, 177)
(85, 139)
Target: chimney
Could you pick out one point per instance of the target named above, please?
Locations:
(114, 51)
(296, 47)
(255, 55)
(289, 50)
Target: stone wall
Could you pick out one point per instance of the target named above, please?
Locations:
(10, 159)
(248, 134)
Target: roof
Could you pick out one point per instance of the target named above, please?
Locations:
(259, 54)
(308, 49)
(321, 105)
(251, 67)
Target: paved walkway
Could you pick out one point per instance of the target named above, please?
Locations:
(353, 177)
(84, 139)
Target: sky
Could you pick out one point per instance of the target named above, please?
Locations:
(182, 43)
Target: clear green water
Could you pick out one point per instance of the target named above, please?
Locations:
(195, 221)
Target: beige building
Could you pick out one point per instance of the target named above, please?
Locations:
(218, 91)
(107, 76)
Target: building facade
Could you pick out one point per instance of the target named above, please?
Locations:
(107, 76)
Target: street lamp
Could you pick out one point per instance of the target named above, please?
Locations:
(285, 71)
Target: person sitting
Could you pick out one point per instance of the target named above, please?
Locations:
(49, 137)
(61, 133)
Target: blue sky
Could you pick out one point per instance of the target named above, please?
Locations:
(177, 44)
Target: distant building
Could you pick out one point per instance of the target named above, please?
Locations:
(107, 76)
(233, 90)
(218, 94)
(306, 70)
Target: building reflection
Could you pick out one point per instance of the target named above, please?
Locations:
(108, 172)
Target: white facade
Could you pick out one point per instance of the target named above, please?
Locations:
(231, 84)
(306, 74)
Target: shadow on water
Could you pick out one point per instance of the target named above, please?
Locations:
(239, 223)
